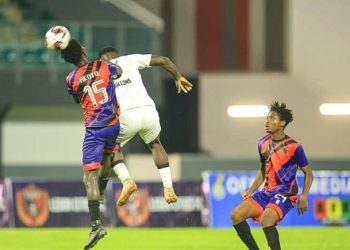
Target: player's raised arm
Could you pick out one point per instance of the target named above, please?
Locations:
(308, 178)
(182, 84)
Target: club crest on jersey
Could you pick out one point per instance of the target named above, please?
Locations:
(32, 205)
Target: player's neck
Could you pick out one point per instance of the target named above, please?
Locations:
(82, 63)
(278, 136)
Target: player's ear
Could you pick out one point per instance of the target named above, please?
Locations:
(104, 57)
(84, 50)
(283, 123)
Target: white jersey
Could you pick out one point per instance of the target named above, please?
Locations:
(129, 88)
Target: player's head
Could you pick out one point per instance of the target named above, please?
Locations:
(74, 53)
(108, 53)
(278, 118)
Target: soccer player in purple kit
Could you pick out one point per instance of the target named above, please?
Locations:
(92, 87)
(280, 156)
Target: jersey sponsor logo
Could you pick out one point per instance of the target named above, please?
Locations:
(89, 76)
(122, 82)
(32, 205)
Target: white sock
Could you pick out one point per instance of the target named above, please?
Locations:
(165, 175)
(121, 171)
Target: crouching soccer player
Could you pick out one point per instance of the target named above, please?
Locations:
(280, 158)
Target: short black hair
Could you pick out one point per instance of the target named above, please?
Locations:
(282, 111)
(106, 50)
(73, 52)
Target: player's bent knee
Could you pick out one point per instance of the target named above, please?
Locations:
(105, 171)
(237, 216)
(155, 142)
(268, 220)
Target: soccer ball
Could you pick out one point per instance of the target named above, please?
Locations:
(57, 38)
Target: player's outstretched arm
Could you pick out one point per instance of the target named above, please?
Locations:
(182, 84)
(308, 178)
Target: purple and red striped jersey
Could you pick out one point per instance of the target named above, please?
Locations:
(280, 161)
(93, 86)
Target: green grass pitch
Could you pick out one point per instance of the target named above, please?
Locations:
(171, 239)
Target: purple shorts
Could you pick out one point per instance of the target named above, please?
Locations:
(96, 141)
(278, 202)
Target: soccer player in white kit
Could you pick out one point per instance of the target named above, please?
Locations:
(139, 116)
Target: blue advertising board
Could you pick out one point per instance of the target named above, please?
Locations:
(329, 198)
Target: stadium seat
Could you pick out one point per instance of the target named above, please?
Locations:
(35, 55)
(7, 55)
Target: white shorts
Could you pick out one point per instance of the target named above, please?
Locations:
(143, 121)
